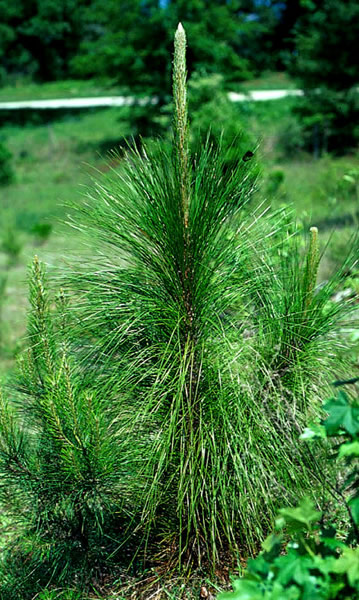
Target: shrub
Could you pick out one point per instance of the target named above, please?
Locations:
(41, 232)
(11, 245)
(215, 115)
(274, 182)
(291, 138)
(328, 119)
(60, 461)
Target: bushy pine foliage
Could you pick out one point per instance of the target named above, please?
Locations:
(157, 414)
(210, 308)
(62, 475)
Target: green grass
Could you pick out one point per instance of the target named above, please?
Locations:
(326, 191)
(152, 587)
(52, 164)
(22, 89)
(270, 80)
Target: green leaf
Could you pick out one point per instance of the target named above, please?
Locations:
(272, 545)
(301, 517)
(313, 432)
(341, 414)
(348, 178)
(349, 449)
(293, 568)
(335, 587)
(324, 564)
(259, 566)
(243, 590)
(354, 508)
(348, 563)
(315, 588)
(332, 543)
(278, 592)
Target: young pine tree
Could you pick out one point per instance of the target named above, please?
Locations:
(187, 299)
(62, 473)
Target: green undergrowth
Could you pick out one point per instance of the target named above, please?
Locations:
(50, 163)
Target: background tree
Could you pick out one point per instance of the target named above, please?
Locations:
(325, 65)
(39, 37)
(130, 41)
(269, 36)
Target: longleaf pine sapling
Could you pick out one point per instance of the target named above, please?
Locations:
(189, 301)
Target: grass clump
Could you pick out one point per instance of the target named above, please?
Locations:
(156, 416)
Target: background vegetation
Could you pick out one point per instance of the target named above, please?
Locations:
(305, 158)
